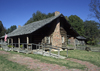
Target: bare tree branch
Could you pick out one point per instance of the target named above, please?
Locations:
(95, 8)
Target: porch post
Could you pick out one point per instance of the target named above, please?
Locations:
(12, 42)
(75, 43)
(8, 41)
(27, 41)
(19, 42)
(1, 41)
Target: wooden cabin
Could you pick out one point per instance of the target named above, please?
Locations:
(51, 31)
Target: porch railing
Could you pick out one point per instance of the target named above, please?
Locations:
(38, 47)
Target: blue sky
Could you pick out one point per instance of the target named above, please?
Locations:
(18, 12)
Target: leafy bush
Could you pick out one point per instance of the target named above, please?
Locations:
(87, 49)
(21, 46)
(10, 46)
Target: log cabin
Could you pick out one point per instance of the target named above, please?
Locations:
(53, 31)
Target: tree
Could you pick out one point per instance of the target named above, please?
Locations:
(95, 8)
(2, 29)
(77, 24)
(39, 16)
(66, 18)
(12, 28)
(91, 31)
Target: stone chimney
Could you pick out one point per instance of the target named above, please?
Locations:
(56, 37)
(57, 13)
(19, 26)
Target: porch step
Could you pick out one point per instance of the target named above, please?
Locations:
(44, 53)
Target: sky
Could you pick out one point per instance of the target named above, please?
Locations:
(18, 12)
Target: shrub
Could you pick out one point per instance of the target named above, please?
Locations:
(10, 46)
(21, 46)
(87, 49)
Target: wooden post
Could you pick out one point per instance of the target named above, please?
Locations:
(23, 46)
(74, 43)
(19, 42)
(42, 49)
(31, 46)
(58, 52)
(67, 52)
(50, 51)
(8, 41)
(39, 46)
(27, 41)
(1, 40)
(84, 45)
(12, 42)
(36, 48)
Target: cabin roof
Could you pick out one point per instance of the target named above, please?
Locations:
(32, 27)
(81, 37)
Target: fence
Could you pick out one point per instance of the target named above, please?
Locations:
(37, 47)
(80, 47)
(95, 49)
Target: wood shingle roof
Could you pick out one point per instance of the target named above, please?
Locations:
(27, 29)
(32, 27)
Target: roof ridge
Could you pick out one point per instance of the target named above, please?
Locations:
(42, 19)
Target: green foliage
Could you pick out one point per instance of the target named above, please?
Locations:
(2, 29)
(21, 46)
(66, 18)
(91, 32)
(39, 16)
(10, 46)
(77, 24)
(12, 28)
(87, 49)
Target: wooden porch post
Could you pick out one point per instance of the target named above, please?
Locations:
(19, 42)
(75, 43)
(1, 41)
(27, 41)
(8, 41)
(12, 41)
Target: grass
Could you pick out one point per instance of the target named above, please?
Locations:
(6, 65)
(92, 57)
(61, 62)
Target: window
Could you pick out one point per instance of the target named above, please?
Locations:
(48, 40)
(62, 39)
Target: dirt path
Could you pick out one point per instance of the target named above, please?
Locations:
(90, 66)
(37, 65)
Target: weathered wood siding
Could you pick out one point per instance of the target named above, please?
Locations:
(63, 34)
